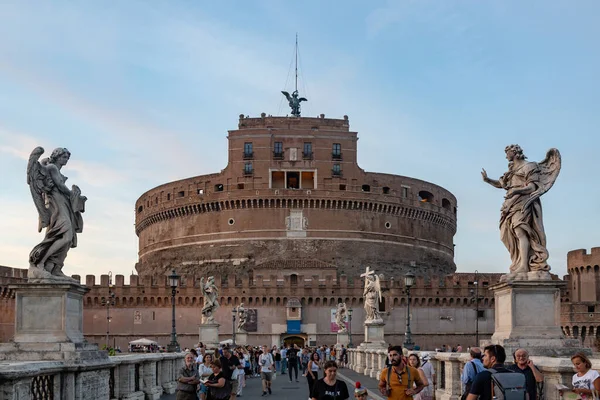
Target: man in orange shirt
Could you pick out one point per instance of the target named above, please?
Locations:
(397, 383)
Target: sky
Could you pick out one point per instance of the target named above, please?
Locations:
(143, 93)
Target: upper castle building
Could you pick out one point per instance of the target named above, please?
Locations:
(292, 190)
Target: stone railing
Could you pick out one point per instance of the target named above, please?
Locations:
(448, 367)
(139, 376)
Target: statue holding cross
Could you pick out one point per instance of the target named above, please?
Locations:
(372, 296)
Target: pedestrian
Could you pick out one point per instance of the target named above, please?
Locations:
(277, 359)
(342, 356)
(329, 387)
(360, 392)
(284, 359)
(429, 370)
(493, 358)
(524, 365)
(472, 368)
(415, 362)
(230, 366)
(585, 379)
(204, 370)
(459, 349)
(396, 381)
(265, 360)
(305, 358)
(241, 371)
(219, 387)
(187, 379)
(292, 361)
(312, 371)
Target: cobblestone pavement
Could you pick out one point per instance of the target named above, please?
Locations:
(284, 389)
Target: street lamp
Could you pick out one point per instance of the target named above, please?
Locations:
(173, 282)
(107, 302)
(476, 300)
(409, 281)
(349, 327)
(233, 313)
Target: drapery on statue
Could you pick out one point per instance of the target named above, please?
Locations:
(210, 293)
(372, 296)
(242, 318)
(521, 224)
(59, 209)
(340, 317)
(294, 102)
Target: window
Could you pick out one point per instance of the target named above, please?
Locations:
(168, 196)
(480, 314)
(219, 187)
(278, 150)
(342, 186)
(140, 209)
(591, 308)
(404, 192)
(366, 188)
(248, 168)
(336, 170)
(248, 150)
(425, 196)
(240, 186)
(386, 190)
(201, 192)
(307, 152)
(180, 194)
(337, 151)
(294, 279)
(446, 204)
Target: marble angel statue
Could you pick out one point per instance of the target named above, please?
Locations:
(372, 296)
(210, 293)
(59, 209)
(340, 317)
(521, 223)
(242, 315)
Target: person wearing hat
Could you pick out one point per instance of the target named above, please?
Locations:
(360, 392)
(429, 391)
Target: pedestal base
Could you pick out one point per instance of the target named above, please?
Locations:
(49, 324)
(241, 338)
(528, 316)
(342, 339)
(209, 335)
(374, 336)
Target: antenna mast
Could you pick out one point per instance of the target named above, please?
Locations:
(293, 100)
(296, 86)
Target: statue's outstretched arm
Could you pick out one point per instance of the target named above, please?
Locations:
(489, 180)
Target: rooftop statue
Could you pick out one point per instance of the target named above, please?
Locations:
(340, 317)
(294, 102)
(372, 297)
(59, 209)
(210, 293)
(521, 224)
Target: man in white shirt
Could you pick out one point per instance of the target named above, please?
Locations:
(265, 360)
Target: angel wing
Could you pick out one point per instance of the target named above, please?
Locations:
(202, 286)
(301, 99)
(287, 95)
(39, 182)
(549, 170)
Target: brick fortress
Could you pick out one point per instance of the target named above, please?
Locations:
(293, 220)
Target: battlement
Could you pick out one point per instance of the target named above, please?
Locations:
(268, 121)
(581, 258)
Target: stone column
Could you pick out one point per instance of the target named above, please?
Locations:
(360, 361)
(149, 385)
(368, 362)
(452, 385)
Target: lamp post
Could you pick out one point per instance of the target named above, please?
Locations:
(349, 327)
(476, 300)
(107, 302)
(233, 313)
(409, 281)
(173, 282)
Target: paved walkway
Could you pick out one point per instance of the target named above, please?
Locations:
(284, 389)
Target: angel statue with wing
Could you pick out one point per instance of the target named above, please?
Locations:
(242, 314)
(210, 293)
(59, 210)
(372, 297)
(294, 102)
(340, 317)
(521, 223)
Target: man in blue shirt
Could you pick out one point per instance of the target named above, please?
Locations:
(472, 368)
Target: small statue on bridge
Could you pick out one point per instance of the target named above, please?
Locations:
(372, 297)
(210, 293)
(340, 317)
(242, 318)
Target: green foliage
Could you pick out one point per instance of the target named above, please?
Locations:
(111, 350)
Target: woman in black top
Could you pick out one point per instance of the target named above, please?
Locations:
(218, 387)
(329, 388)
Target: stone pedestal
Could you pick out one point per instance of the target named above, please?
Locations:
(49, 324)
(374, 336)
(241, 338)
(528, 316)
(209, 335)
(342, 339)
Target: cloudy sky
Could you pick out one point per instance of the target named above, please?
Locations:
(144, 92)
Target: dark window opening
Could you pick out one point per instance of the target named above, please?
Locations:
(219, 187)
(446, 204)
(168, 196)
(248, 153)
(366, 188)
(200, 192)
(342, 186)
(591, 308)
(480, 314)
(336, 151)
(155, 200)
(140, 209)
(293, 180)
(425, 196)
(181, 193)
(240, 185)
(307, 152)
(248, 169)
(404, 192)
(386, 190)
(294, 279)
(278, 150)
(336, 170)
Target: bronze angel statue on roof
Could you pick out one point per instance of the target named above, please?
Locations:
(521, 223)
(294, 102)
(59, 210)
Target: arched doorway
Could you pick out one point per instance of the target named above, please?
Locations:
(298, 339)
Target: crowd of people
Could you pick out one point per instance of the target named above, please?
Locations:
(221, 374)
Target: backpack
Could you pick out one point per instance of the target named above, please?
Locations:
(388, 387)
(508, 385)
